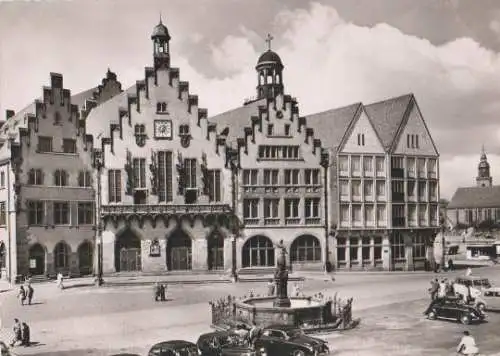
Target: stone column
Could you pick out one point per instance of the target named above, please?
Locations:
(372, 252)
(228, 252)
(108, 251)
(409, 265)
(348, 252)
(239, 250)
(386, 253)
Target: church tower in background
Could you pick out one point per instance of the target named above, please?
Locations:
(483, 178)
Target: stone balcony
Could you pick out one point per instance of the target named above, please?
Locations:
(166, 209)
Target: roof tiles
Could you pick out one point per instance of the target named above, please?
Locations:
(475, 197)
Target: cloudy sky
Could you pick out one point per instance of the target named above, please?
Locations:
(336, 52)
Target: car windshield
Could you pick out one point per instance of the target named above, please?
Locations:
(187, 351)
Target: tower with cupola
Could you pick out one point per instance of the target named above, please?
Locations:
(483, 178)
(269, 73)
(161, 46)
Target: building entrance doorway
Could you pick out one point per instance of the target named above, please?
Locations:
(127, 252)
(85, 259)
(37, 260)
(215, 253)
(179, 251)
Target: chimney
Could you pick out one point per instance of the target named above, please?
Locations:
(9, 114)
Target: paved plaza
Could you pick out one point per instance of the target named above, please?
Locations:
(110, 320)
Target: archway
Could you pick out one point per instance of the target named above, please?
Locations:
(37, 259)
(127, 252)
(61, 256)
(179, 251)
(258, 251)
(215, 251)
(85, 258)
(305, 248)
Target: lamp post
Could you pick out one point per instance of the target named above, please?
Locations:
(443, 246)
(98, 162)
(325, 163)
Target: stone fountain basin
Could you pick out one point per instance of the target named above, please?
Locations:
(261, 311)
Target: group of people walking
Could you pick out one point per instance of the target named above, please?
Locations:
(26, 292)
(21, 334)
(160, 292)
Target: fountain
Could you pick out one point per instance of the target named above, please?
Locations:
(308, 313)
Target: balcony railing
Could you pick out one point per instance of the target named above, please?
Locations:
(313, 221)
(292, 221)
(251, 221)
(166, 209)
(271, 221)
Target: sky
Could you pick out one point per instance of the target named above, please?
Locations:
(335, 52)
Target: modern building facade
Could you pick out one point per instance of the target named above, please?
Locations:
(477, 206)
(144, 178)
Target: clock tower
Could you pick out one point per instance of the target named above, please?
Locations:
(483, 178)
(161, 46)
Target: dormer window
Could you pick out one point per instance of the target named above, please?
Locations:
(361, 139)
(140, 134)
(161, 108)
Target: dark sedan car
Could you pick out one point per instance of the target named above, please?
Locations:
(455, 310)
(289, 341)
(223, 343)
(174, 348)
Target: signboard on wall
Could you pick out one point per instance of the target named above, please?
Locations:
(32, 263)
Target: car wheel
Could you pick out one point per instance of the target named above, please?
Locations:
(432, 315)
(465, 319)
(298, 353)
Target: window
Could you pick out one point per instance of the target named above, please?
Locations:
(344, 189)
(3, 214)
(377, 250)
(353, 250)
(271, 176)
(380, 166)
(368, 188)
(380, 188)
(433, 214)
(433, 190)
(398, 246)
(431, 168)
(356, 165)
(287, 130)
(214, 185)
(343, 165)
(356, 213)
(381, 213)
(291, 208)
(139, 167)
(250, 177)
(311, 208)
(85, 213)
(190, 173)
(398, 216)
(2, 179)
(412, 141)
(311, 177)
(161, 108)
(44, 144)
(251, 208)
(412, 215)
(419, 247)
(410, 165)
(271, 208)
(397, 163)
(361, 139)
(270, 129)
(341, 249)
(61, 213)
(139, 129)
(165, 193)
(356, 189)
(60, 178)
(366, 245)
(344, 213)
(140, 134)
(35, 177)
(184, 130)
(368, 165)
(291, 176)
(421, 191)
(61, 255)
(306, 248)
(114, 186)
(69, 145)
(279, 152)
(422, 214)
(421, 167)
(369, 214)
(411, 188)
(85, 179)
(36, 212)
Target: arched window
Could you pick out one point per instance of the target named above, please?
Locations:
(61, 255)
(60, 178)
(258, 251)
(35, 177)
(306, 248)
(85, 179)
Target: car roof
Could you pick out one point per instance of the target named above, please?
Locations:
(216, 333)
(281, 327)
(173, 343)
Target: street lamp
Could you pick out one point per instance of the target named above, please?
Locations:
(325, 163)
(99, 164)
(443, 245)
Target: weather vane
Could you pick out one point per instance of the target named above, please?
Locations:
(268, 40)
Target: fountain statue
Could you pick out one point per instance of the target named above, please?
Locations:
(281, 279)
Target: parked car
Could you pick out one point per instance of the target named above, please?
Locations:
(174, 348)
(289, 341)
(223, 343)
(489, 299)
(452, 309)
(473, 287)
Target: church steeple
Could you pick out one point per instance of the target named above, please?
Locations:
(269, 73)
(483, 178)
(161, 47)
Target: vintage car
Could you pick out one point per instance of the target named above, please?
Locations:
(289, 341)
(174, 348)
(452, 309)
(491, 298)
(224, 343)
(474, 287)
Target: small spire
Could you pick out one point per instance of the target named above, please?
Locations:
(269, 38)
(161, 22)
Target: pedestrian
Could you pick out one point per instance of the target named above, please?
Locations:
(17, 328)
(253, 334)
(30, 293)
(433, 290)
(469, 272)
(270, 288)
(25, 335)
(157, 291)
(442, 289)
(60, 280)
(467, 345)
(163, 292)
(451, 266)
(295, 290)
(22, 294)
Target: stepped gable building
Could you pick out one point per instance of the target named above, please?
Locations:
(477, 206)
(144, 180)
(47, 200)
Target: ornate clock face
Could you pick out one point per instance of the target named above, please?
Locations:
(163, 129)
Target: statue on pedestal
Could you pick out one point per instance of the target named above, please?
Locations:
(281, 278)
